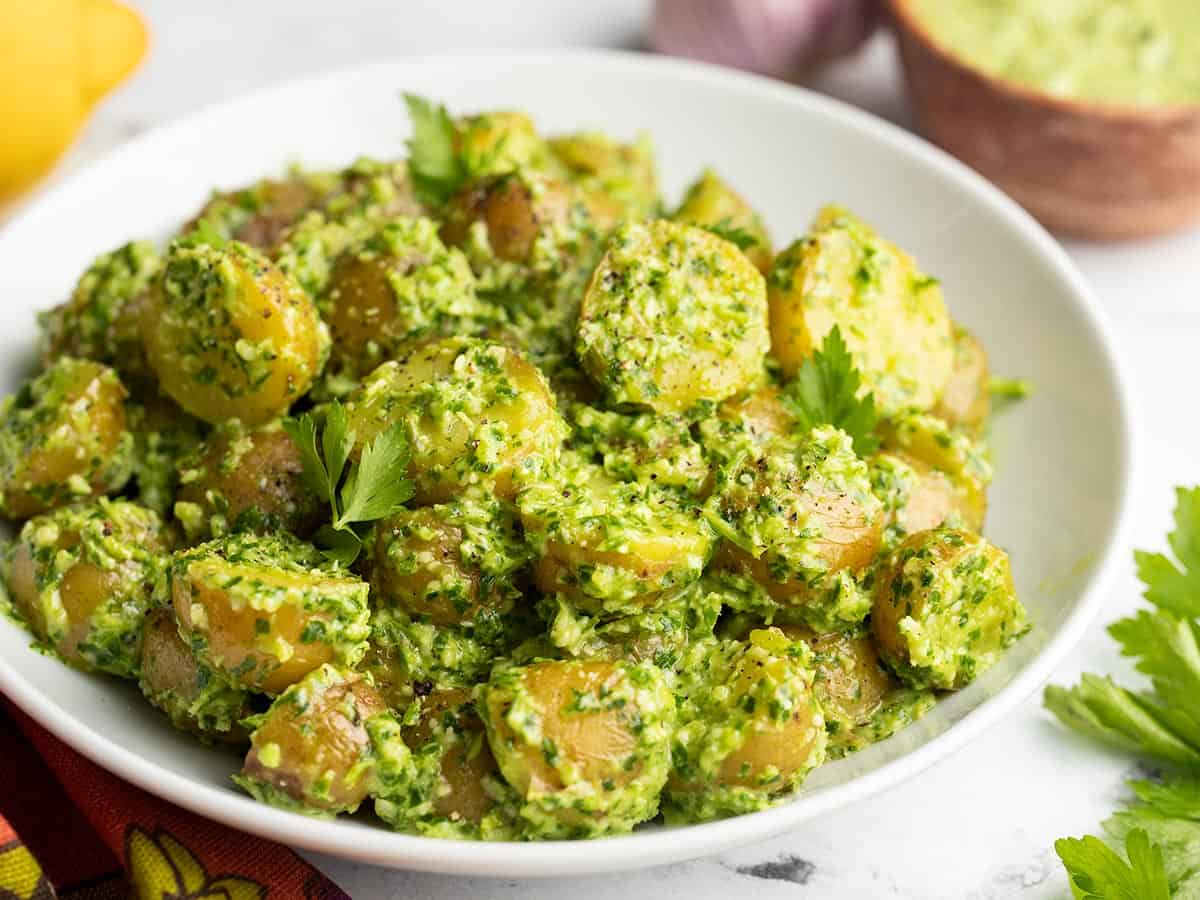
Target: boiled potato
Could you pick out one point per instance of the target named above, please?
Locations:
(63, 437)
(750, 729)
(932, 448)
(640, 447)
(246, 479)
(673, 316)
(498, 141)
(711, 202)
(230, 336)
(316, 748)
(616, 181)
(450, 564)
(454, 798)
(266, 610)
(892, 316)
(966, 400)
(82, 577)
(100, 320)
(945, 607)
(260, 213)
(476, 413)
(513, 209)
(585, 744)
(798, 523)
(611, 546)
(399, 284)
(193, 696)
(917, 497)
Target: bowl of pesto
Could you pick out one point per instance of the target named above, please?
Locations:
(564, 461)
(1087, 112)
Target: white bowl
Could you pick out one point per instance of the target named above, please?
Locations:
(1058, 503)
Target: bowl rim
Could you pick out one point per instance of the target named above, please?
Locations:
(907, 21)
(647, 848)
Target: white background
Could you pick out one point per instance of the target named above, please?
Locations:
(980, 825)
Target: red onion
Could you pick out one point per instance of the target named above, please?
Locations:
(783, 38)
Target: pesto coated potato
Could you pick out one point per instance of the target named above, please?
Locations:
(260, 213)
(673, 316)
(640, 447)
(100, 320)
(63, 437)
(163, 435)
(513, 210)
(498, 141)
(750, 728)
(230, 336)
(945, 607)
(711, 202)
(476, 413)
(891, 315)
(265, 610)
(316, 748)
(246, 479)
(583, 743)
(194, 697)
(457, 790)
(450, 564)
(616, 181)
(966, 400)
(798, 523)
(82, 578)
(399, 284)
(611, 546)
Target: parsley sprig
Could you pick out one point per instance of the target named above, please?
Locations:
(435, 166)
(826, 391)
(1161, 830)
(358, 492)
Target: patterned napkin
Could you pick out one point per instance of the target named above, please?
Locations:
(70, 830)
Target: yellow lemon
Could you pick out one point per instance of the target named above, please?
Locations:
(57, 59)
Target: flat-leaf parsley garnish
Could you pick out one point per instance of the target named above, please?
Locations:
(373, 487)
(434, 165)
(825, 392)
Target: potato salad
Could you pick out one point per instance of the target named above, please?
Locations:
(491, 491)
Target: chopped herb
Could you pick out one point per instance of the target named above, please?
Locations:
(436, 169)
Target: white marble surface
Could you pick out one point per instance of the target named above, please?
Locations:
(982, 824)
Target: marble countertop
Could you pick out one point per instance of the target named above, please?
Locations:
(980, 825)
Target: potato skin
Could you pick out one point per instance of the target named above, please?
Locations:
(750, 727)
(710, 201)
(83, 577)
(63, 436)
(673, 316)
(267, 610)
(583, 743)
(448, 717)
(513, 208)
(192, 695)
(476, 412)
(892, 316)
(230, 336)
(966, 400)
(944, 608)
(449, 564)
(246, 480)
(313, 748)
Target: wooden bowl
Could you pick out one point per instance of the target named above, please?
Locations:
(1093, 170)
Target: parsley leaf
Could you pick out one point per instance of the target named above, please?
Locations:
(825, 391)
(1172, 587)
(1097, 871)
(739, 237)
(436, 169)
(373, 487)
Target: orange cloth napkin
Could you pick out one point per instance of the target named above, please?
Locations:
(70, 830)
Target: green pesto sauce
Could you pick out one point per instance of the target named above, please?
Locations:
(1141, 52)
(123, 541)
(730, 692)
(673, 316)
